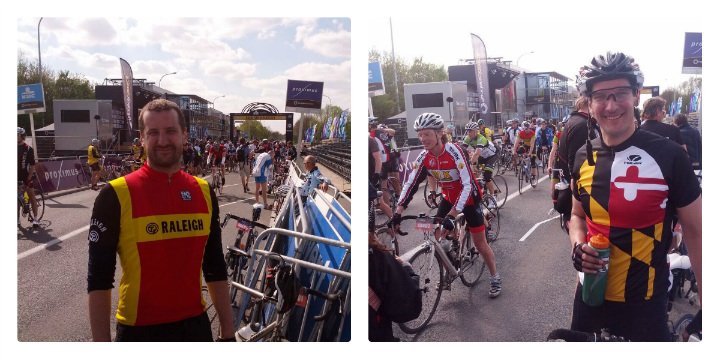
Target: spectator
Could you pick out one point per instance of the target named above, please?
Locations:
(692, 139)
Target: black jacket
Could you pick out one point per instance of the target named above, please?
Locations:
(693, 142)
(397, 286)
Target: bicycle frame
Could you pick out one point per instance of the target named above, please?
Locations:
(436, 248)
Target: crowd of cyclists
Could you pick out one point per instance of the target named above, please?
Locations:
(610, 129)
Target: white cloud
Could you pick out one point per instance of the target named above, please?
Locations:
(325, 42)
(94, 62)
(228, 70)
(264, 35)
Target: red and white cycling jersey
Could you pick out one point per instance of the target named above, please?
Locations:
(219, 153)
(452, 173)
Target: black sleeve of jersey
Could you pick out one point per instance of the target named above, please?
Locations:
(214, 267)
(30, 156)
(686, 187)
(580, 158)
(95, 152)
(103, 238)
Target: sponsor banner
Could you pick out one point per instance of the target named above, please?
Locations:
(127, 86)
(304, 96)
(376, 85)
(692, 54)
(67, 174)
(407, 157)
(30, 99)
(481, 76)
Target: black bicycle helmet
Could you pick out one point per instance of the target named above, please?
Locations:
(608, 67)
(429, 121)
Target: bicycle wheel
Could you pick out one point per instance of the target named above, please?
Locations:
(534, 181)
(426, 192)
(431, 283)
(40, 199)
(501, 190)
(385, 237)
(520, 176)
(492, 219)
(681, 326)
(472, 264)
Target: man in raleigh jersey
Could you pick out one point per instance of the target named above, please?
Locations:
(164, 224)
(629, 184)
(446, 162)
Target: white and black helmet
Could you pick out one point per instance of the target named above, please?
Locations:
(372, 120)
(429, 121)
(608, 67)
(471, 126)
(21, 131)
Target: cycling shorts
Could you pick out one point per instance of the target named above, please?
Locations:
(473, 215)
(523, 149)
(95, 167)
(635, 321)
(386, 169)
(217, 162)
(396, 164)
(196, 328)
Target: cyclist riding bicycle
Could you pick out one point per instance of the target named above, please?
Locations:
(26, 171)
(483, 154)
(525, 143)
(217, 155)
(544, 137)
(511, 135)
(138, 153)
(446, 162)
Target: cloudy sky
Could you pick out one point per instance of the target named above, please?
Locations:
(246, 60)
(656, 45)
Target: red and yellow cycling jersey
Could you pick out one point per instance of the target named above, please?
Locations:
(452, 173)
(219, 153)
(527, 137)
(164, 231)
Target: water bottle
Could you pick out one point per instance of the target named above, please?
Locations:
(21, 197)
(445, 244)
(25, 197)
(593, 293)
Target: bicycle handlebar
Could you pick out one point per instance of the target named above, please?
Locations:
(234, 217)
(332, 298)
(436, 220)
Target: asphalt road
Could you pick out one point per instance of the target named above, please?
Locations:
(538, 281)
(52, 264)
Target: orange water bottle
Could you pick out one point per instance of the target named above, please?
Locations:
(593, 292)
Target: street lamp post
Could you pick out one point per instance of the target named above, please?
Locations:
(518, 60)
(213, 102)
(329, 103)
(172, 73)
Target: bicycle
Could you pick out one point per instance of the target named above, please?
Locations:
(280, 291)
(431, 203)
(524, 173)
(455, 256)
(680, 272)
(501, 188)
(542, 159)
(217, 180)
(393, 184)
(237, 255)
(24, 206)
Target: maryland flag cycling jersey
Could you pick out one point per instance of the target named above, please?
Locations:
(452, 173)
(630, 196)
(164, 232)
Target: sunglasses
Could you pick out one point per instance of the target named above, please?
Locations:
(619, 94)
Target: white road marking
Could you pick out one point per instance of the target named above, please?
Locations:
(536, 226)
(52, 242)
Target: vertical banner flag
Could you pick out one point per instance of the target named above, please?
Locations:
(343, 121)
(127, 85)
(481, 76)
(313, 132)
(679, 106)
(672, 109)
